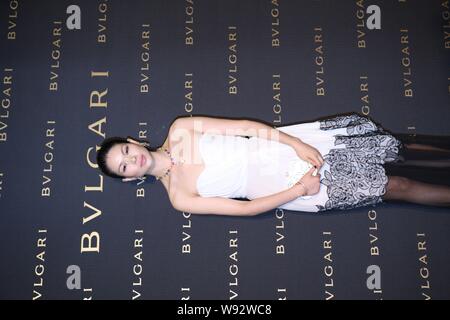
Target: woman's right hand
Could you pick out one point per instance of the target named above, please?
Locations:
(312, 183)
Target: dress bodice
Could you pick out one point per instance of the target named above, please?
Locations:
(225, 172)
(238, 167)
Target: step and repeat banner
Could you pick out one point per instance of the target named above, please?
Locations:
(75, 72)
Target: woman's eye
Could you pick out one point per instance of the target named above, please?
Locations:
(127, 150)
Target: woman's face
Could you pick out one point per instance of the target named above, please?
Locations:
(129, 160)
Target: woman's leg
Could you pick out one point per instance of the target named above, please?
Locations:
(424, 150)
(423, 173)
(425, 147)
(424, 155)
(438, 142)
(408, 190)
(424, 158)
(428, 174)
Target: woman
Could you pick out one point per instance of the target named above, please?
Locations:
(339, 162)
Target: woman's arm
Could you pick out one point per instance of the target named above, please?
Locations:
(225, 206)
(242, 127)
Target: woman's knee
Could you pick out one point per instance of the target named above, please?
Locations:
(397, 185)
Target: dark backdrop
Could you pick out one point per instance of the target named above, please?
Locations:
(281, 62)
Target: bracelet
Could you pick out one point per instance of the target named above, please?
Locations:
(306, 189)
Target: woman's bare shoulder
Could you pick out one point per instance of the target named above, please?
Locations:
(178, 133)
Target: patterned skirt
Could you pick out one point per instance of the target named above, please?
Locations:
(355, 176)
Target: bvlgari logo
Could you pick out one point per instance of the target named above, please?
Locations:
(232, 60)
(102, 23)
(280, 242)
(328, 267)
(48, 170)
(408, 90)
(424, 268)
(364, 94)
(275, 15)
(6, 109)
(55, 56)
(12, 19)
(189, 23)
(39, 269)
(373, 281)
(233, 268)
(186, 234)
(138, 266)
(144, 70)
(319, 61)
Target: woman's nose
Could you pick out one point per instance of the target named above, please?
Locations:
(133, 157)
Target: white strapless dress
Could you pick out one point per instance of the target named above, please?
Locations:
(354, 149)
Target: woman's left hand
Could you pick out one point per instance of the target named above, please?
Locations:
(308, 153)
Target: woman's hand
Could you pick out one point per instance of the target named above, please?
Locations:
(309, 184)
(308, 153)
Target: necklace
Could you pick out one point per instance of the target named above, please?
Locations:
(172, 160)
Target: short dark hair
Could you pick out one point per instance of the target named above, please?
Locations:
(106, 145)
